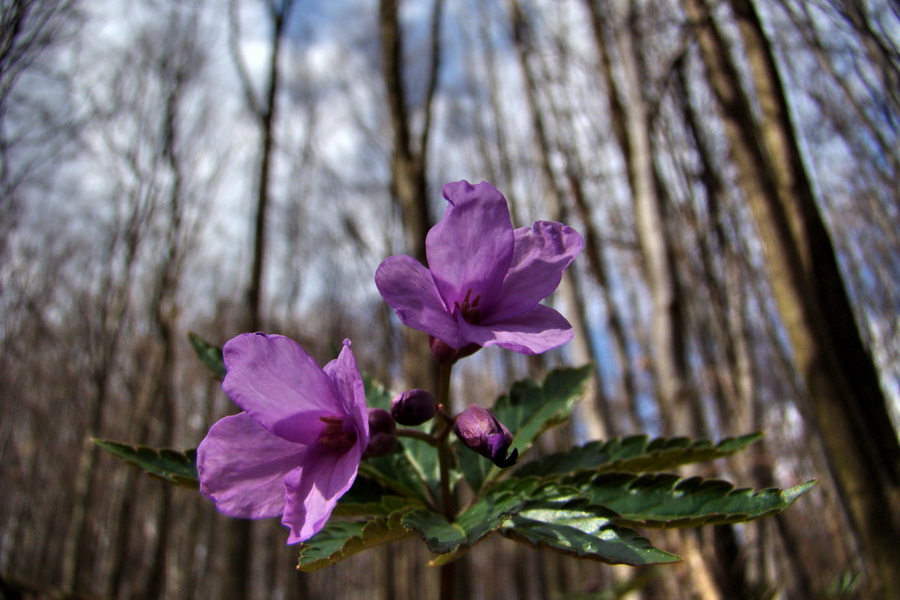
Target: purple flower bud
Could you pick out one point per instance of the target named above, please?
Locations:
(382, 428)
(380, 444)
(413, 407)
(380, 421)
(480, 430)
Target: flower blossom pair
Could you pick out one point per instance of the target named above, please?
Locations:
(297, 447)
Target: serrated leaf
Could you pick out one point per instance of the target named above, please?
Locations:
(209, 354)
(179, 468)
(634, 454)
(559, 517)
(354, 505)
(583, 531)
(480, 520)
(664, 500)
(451, 540)
(341, 539)
(439, 534)
(527, 411)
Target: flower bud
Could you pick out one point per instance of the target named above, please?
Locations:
(413, 407)
(480, 430)
(380, 421)
(380, 444)
(382, 437)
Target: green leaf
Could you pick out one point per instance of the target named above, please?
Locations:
(399, 472)
(376, 394)
(209, 354)
(635, 454)
(527, 411)
(452, 540)
(413, 470)
(370, 501)
(364, 490)
(341, 539)
(179, 468)
(664, 500)
(440, 535)
(582, 530)
(557, 516)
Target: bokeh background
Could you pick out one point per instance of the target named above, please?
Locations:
(221, 166)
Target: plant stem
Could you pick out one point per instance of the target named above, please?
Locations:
(448, 505)
(444, 388)
(419, 435)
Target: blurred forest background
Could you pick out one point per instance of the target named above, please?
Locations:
(221, 166)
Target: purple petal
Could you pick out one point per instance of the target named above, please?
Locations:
(242, 467)
(497, 446)
(409, 289)
(472, 246)
(542, 253)
(279, 385)
(312, 491)
(348, 381)
(538, 330)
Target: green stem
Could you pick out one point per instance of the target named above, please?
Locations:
(444, 388)
(417, 434)
(448, 504)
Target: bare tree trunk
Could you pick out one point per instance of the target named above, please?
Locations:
(239, 541)
(596, 421)
(844, 391)
(103, 346)
(614, 321)
(409, 185)
(668, 332)
(264, 111)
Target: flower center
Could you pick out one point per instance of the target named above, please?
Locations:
(333, 435)
(469, 308)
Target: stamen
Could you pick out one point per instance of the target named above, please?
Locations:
(333, 435)
(469, 308)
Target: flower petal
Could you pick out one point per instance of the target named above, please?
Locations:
(312, 491)
(538, 330)
(242, 467)
(348, 381)
(542, 253)
(279, 385)
(409, 289)
(472, 245)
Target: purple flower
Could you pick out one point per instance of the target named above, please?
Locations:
(481, 432)
(296, 447)
(486, 279)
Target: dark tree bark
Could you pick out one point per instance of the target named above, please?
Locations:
(409, 163)
(845, 395)
(239, 541)
(596, 421)
(630, 116)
